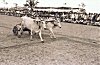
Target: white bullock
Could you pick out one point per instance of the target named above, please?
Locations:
(51, 24)
(33, 26)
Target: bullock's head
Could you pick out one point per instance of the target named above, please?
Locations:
(19, 31)
(15, 30)
(57, 22)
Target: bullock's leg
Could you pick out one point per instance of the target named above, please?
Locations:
(52, 33)
(51, 36)
(31, 35)
(29, 32)
(40, 35)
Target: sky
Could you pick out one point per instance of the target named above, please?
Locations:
(91, 5)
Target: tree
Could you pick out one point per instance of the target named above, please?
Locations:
(16, 5)
(3, 0)
(81, 9)
(5, 3)
(82, 5)
(32, 3)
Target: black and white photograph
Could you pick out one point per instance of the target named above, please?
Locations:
(49, 32)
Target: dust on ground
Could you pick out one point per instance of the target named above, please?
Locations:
(76, 44)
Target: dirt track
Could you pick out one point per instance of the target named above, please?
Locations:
(75, 45)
